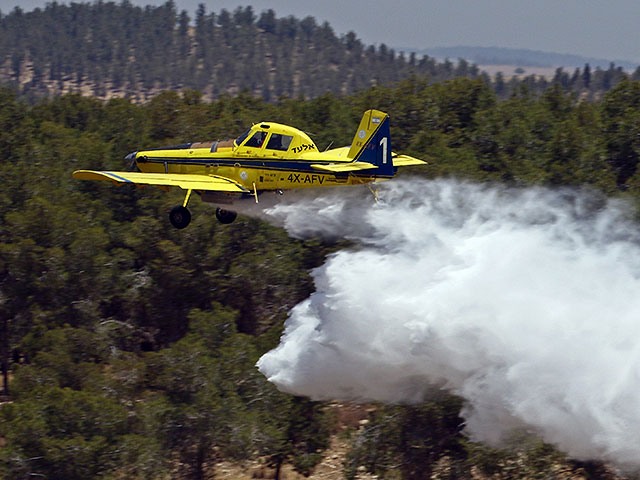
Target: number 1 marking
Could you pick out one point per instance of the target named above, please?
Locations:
(383, 144)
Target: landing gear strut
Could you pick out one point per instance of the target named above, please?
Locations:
(225, 216)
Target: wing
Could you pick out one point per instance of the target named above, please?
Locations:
(185, 181)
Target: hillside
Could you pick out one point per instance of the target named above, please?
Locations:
(128, 348)
(115, 50)
(131, 346)
(109, 50)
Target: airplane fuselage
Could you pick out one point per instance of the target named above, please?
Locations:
(254, 173)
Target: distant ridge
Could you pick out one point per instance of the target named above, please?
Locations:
(108, 49)
(520, 57)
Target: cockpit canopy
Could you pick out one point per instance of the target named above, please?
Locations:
(275, 137)
(277, 141)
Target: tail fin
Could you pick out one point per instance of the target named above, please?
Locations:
(372, 142)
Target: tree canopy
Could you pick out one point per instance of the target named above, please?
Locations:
(118, 328)
(105, 49)
(108, 49)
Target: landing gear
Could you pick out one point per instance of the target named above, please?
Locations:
(225, 216)
(180, 216)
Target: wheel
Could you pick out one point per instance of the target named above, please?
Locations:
(225, 216)
(180, 216)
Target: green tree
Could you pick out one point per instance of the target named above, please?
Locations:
(410, 439)
(620, 117)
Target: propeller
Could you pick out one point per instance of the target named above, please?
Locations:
(132, 159)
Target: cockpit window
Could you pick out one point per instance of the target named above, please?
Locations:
(242, 138)
(256, 140)
(279, 142)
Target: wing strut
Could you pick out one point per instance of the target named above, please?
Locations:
(374, 191)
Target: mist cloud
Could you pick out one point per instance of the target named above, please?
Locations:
(523, 302)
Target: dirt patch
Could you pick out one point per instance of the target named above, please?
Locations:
(331, 467)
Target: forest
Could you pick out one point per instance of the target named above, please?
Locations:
(108, 49)
(105, 48)
(129, 348)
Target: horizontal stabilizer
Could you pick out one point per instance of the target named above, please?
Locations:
(184, 181)
(344, 167)
(406, 161)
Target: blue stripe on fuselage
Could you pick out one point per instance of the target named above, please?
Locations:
(299, 165)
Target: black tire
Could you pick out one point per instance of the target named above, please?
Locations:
(225, 216)
(180, 216)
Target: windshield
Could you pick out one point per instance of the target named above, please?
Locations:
(242, 138)
(256, 140)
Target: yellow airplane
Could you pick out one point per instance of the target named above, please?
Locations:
(267, 157)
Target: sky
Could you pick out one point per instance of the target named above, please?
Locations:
(591, 28)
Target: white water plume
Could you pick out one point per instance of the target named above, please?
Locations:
(524, 302)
